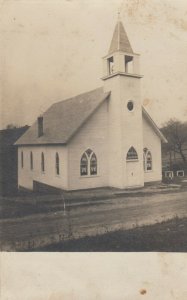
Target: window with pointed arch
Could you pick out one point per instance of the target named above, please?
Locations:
(147, 159)
(132, 154)
(31, 160)
(22, 160)
(57, 164)
(88, 163)
(42, 163)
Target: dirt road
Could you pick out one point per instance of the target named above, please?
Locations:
(107, 215)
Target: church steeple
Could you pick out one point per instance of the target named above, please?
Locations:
(120, 41)
(120, 60)
(121, 78)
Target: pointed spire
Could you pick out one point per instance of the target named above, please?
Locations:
(120, 41)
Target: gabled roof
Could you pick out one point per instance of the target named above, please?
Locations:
(63, 119)
(120, 41)
(153, 125)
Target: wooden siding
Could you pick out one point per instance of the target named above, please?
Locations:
(153, 143)
(26, 175)
(93, 135)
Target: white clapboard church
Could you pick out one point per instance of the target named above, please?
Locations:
(101, 138)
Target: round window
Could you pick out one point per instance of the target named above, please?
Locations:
(130, 105)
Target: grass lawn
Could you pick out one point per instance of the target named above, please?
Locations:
(25, 205)
(169, 236)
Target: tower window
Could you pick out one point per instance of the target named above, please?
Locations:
(88, 163)
(130, 105)
(111, 65)
(132, 154)
(128, 64)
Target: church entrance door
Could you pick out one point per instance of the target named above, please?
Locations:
(133, 174)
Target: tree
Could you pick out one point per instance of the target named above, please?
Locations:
(176, 134)
(11, 126)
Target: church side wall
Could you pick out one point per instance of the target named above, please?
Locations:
(153, 143)
(49, 176)
(92, 135)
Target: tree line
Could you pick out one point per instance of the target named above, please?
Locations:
(175, 132)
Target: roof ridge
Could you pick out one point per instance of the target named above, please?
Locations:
(79, 95)
(154, 124)
(64, 118)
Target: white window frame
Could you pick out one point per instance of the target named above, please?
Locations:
(89, 157)
(180, 171)
(169, 174)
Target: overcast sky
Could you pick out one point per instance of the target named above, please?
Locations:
(52, 50)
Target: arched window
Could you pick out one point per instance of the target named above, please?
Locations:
(31, 160)
(132, 154)
(42, 162)
(147, 159)
(84, 165)
(93, 164)
(144, 159)
(88, 164)
(57, 165)
(22, 160)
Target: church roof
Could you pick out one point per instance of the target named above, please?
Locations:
(63, 119)
(120, 41)
(153, 125)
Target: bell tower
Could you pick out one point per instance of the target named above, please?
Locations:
(120, 59)
(121, 76)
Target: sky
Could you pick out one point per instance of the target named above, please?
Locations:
(52, 50)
